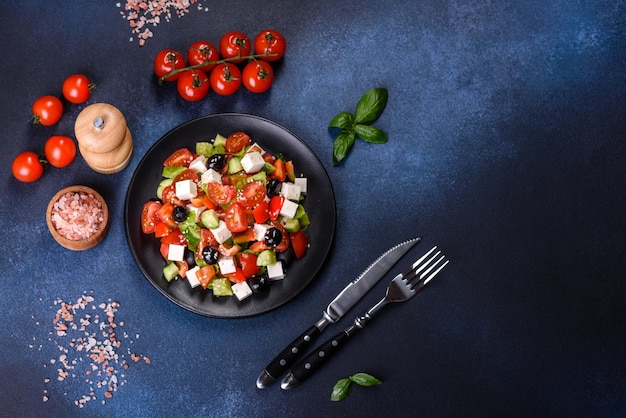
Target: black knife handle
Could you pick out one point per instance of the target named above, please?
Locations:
(301, 371)
(288, 356)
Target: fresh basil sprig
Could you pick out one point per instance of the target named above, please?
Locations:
(342, 388)
(368, 110)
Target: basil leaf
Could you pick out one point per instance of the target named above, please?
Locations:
(364, 379)
(342, 145)
(341, 390)
(371, 106)
(371, 134)
(344, 120)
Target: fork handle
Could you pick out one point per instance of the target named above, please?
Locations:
(305, 368)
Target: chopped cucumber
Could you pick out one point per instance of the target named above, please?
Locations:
(221, 287)
(234, 165)
(210, 219)
(219, 140)
(204, 148)
(170, 271)
(171, 172)
(265, 258)
(191, 230)
(292, 225)
(162, 185)
(260, 176)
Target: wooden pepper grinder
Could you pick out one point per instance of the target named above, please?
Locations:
(104, 139)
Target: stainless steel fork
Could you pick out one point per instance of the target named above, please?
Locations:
(403, 287)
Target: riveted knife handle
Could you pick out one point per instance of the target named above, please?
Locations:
(288, 357)
(301, 371)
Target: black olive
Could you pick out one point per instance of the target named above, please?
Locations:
(259, 283)
(273, 187)
(180, 213)
(217, 162)
(210, 255)
(273, 237)
(190, 258)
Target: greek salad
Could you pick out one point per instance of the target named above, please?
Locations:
(225, 213)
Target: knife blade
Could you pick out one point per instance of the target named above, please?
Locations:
(341, 304)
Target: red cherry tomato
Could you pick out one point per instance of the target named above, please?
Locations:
(179, 158)
(251, 194)
(299, 243)
(77, 88)
(149, 216)
(60, 151)
(47, 110)
(26, 167)
(193, 85)
(200, 52)
(166, 61)
(225, 79)
(258, 76)
(235, 44)
(270, 42)
(237, 141)
(220, 193)
(236, 218)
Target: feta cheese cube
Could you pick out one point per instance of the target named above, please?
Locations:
(241, 290)
(289, 208)
(192, 277)
(275, 271)
(199, 164)
(226, 264)
(252, 162)
(186, 189)
(211, 176)
(256, 147)
(260, 230)
(221, 233)
(176, 252)
(198, 211)
(290, 191)
(302, 182)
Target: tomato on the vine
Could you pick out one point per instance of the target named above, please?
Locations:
(200, 52)
(270, 42)
(77, 88)
(47, 110)
(166, 61)
(258, 76)
(193, 85)
(27, 167)
(60, 151)
(235, 44)
(225, 79)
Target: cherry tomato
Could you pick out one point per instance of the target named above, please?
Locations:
(166, 61)
(235, 44)
(270, 42)
(149, 216)
(193, 85)
(187, 174)
(258, 76)
(261, 212)
(179, 158)
(221, 194)
(299, 243)
(47, 110)
(236, 218)
(248, 264)
(200, 52)
(251, 194)
(60, 151)
(237, 141)
(275, 205)
(77, 88)
(225, 79)
(27, 167)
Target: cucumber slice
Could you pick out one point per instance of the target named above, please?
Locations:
(234, 165)
(204, 148)
(221, 287)
(266, 258)
(170, 271)
(292, 225)
(171, 172)
(210, 219)
(219, 140)
(162, 185)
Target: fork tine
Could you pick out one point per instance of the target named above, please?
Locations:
(423, 271)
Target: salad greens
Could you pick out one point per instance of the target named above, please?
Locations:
(342, 388)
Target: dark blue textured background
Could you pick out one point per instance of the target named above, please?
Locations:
(507, 128)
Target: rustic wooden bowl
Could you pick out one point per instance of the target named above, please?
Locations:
(81, 244)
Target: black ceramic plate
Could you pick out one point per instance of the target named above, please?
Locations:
(319, 203)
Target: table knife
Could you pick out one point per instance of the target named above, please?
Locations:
(342, 303)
